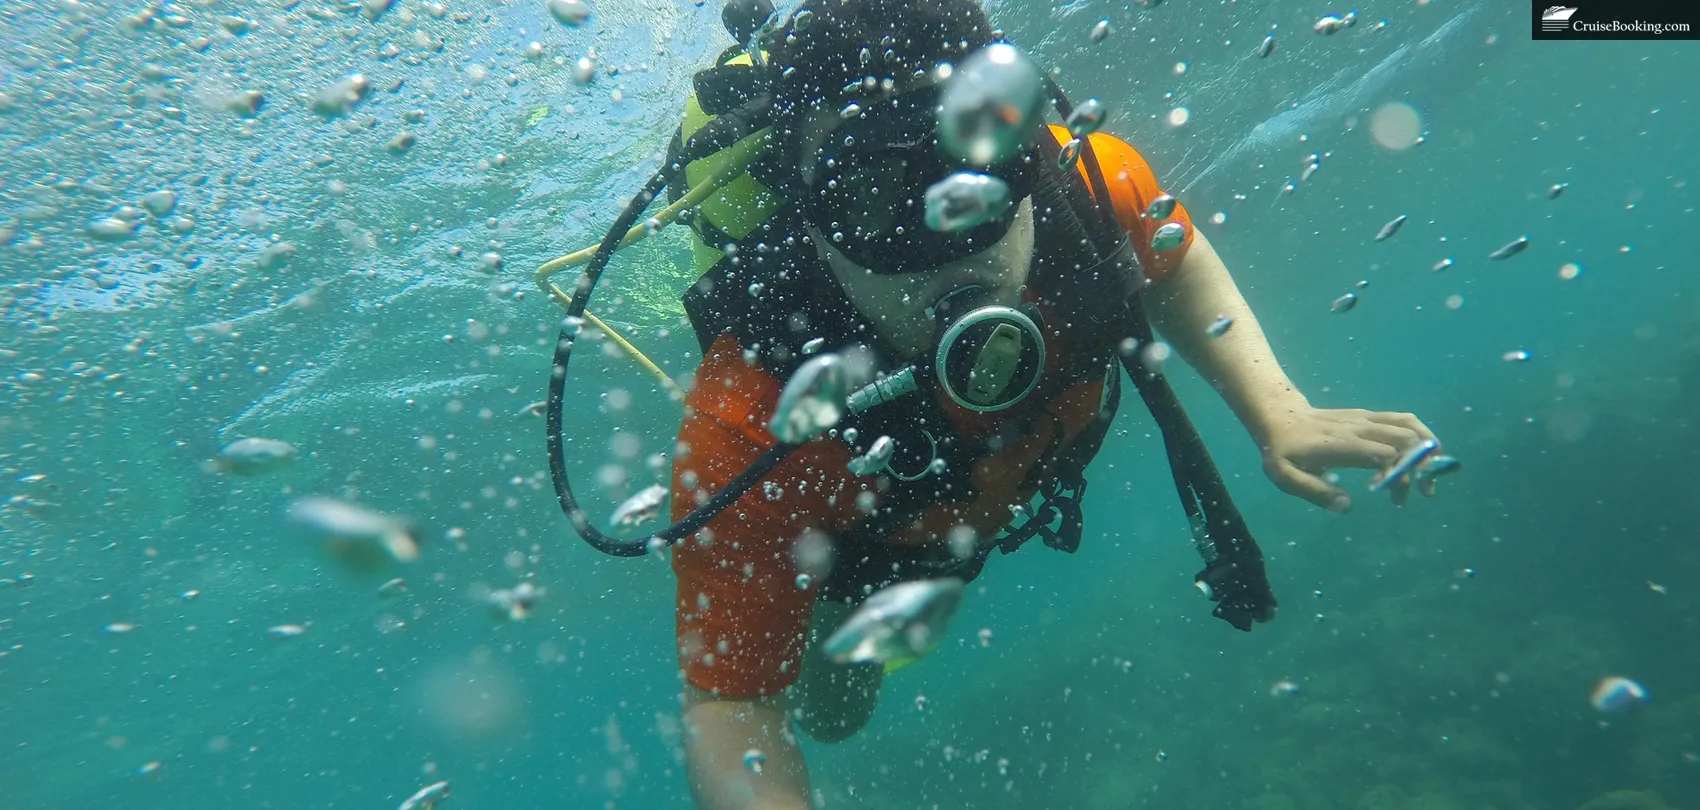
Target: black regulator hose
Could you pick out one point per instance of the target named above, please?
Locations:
(555, 421)
(1234, 576)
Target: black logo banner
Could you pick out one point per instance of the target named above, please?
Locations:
(1617, 19)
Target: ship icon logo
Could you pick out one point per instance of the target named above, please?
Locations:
(1557, 18)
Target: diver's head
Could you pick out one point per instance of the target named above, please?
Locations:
(744, 17)
(830, 43)
(856, 100)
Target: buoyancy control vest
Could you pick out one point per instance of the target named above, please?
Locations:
(764, 282)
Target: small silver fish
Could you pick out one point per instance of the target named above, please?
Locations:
(1511, 248)
(1168, 237)
(1100, 31)
(286, 631)
(640, 508)
(1517, 356)
(1220, 326)
(1557, 189)
(426, 797)
(534, 409)
(1344, 303)
(1437, 467)
(1392, 227)
(394, 587)
(255, 456)
(1266, 47)
(903, 621)
(1443, 264)
(1407, 462)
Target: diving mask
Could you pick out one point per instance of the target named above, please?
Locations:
(868, 192)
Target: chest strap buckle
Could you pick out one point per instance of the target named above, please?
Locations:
(1062, 502)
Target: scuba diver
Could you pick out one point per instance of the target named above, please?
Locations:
(991, 360)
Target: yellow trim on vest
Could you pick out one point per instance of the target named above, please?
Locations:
(897, 664)
(741, 205)
(736, 157)
(720, 189)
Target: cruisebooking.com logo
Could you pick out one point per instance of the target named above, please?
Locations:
(1617, 19)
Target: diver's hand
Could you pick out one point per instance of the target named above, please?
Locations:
(1301, 446)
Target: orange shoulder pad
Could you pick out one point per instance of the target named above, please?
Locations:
(1132, 188)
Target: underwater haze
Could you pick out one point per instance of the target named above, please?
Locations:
(210, 231)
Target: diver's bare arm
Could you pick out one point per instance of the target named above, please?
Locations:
(718, 733)
(1240, 363)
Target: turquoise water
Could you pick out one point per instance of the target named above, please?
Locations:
(400, 370)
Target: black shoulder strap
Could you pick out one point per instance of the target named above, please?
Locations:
(774, 294)
(725, 130)
(725, 87)
(1234, 574)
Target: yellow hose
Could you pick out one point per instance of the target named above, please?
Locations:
(737, 158)
(636, 355)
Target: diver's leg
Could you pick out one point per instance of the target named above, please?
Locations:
(724, 774)
(833, 701)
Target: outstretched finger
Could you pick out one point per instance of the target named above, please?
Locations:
(1407, 421)
(1351, 451)
(1426, 486)
(1400, 489)
(1398, 437)
(1300, 483)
